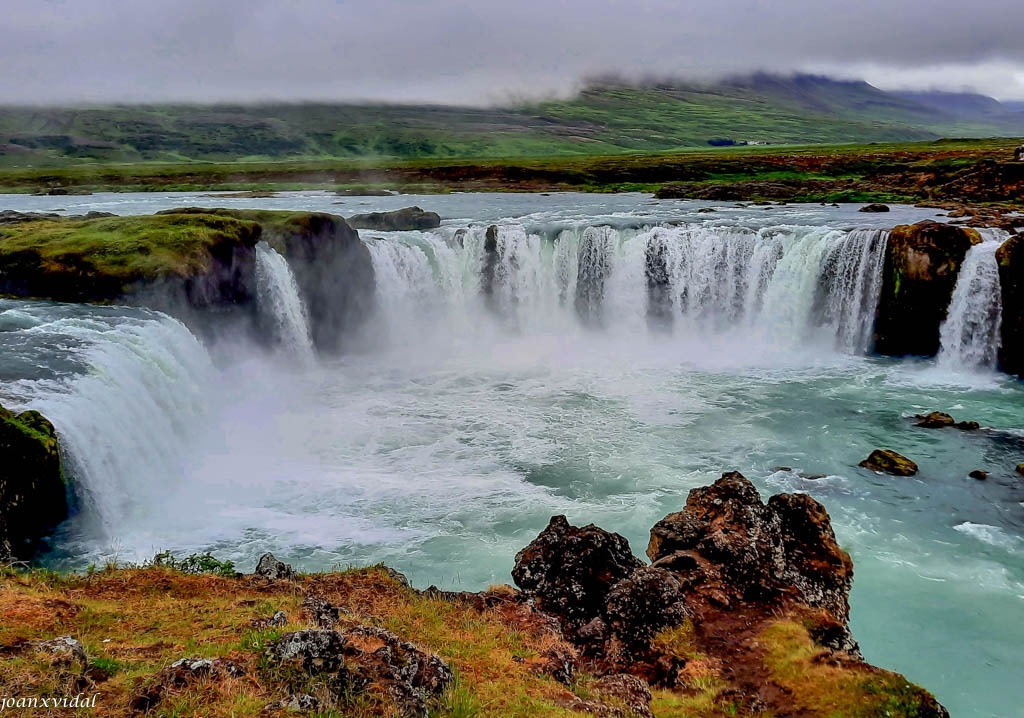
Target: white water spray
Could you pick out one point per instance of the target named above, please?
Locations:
(970, 334)
(277, 296)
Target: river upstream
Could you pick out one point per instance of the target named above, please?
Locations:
(462, 422)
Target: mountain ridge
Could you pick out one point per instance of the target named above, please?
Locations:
(605, 117)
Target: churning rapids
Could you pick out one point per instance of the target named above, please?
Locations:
(613, 353)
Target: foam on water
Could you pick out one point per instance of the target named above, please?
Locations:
(448, 447)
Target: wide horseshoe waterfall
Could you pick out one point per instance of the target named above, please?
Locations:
(597, 356)
(779, 284)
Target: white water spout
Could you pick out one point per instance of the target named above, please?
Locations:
(277, 296)
(970, 334)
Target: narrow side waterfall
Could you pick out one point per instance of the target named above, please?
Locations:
(778, 285)
(277, 296)
(970, 334)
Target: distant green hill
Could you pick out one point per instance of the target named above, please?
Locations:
(604, 118)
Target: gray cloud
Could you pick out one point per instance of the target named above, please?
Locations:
(480, 50)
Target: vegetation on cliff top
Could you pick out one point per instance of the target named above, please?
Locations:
(135, 622)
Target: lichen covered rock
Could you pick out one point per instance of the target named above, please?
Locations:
(922, 262)
(33, 493)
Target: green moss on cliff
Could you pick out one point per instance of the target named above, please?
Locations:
(113, 253)
(33, 494)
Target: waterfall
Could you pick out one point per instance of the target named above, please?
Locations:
(775, 285)
(851, 283)
(970, 334)
(278, 299)
(129, 398)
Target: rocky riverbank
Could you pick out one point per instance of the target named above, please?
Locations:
(743, 612)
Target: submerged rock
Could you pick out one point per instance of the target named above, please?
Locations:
(877, 207)
(33, 492)
(1020, 469)
(922, 262)
(408, 218)
(978, 474)
(889, 462)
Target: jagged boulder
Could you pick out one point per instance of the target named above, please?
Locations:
(733, 547)
(570, 571)
(407, 218)
(364, 658)
(1010, 257)
(888, 461)
(922, 262)
(33, 492)
(270, 567)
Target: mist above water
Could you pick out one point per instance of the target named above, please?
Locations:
(624, 354)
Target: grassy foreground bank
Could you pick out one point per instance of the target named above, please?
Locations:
(134, 623)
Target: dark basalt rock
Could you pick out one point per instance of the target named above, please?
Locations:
(64, 649)
(733, 547)
(33, 493)
(1010, 258)
(320, 612)
(569, 571)
(270, 567)
(978, 474)
(367, 657)
(874, 208)
(921, 266)
(408, 218)
(489, 268)
(1018, 154)
(640, 606)
(889, 462)
(659, 286)
(1020, 469)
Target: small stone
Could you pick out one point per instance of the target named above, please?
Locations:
(320, 612)
(968, 425)
(889, 462)
(271, 568)
(978, 474)
(632, 692)
(875, 207)
(1020, 469)
(65, 649)
(935, 420)
(301, 703)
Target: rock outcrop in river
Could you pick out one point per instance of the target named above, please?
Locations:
(1010, 257)
(407, 218)
(921, 266)
(33, 493)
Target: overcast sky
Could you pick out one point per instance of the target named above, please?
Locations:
(480, 51)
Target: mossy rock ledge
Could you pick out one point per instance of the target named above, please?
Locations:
(190, 261)
(922, 262)
(33, 493)
(1010, 258)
